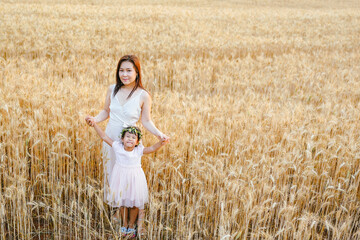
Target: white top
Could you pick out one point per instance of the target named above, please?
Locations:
(127, 114)
(128, 158)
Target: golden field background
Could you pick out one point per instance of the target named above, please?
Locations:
(261, 99)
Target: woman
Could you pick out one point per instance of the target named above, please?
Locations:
(125, 102)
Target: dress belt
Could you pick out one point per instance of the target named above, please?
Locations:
(119, 123)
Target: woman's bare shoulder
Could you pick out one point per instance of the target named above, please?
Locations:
(145, 96)
(111, 88)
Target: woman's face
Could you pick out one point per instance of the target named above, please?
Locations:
(127, 73)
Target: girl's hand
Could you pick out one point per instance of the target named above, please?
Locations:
(163, 138)
(163, 142)
(90, 120)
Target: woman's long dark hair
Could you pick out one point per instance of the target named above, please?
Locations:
(136, 63)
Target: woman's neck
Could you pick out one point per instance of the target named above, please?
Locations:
(128, 87)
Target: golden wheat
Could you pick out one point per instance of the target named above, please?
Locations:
(261, 99)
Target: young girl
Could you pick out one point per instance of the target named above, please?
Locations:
(127, 182)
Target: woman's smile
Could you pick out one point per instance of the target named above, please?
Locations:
(127, 73)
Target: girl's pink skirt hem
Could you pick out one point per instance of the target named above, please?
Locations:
(127, 187)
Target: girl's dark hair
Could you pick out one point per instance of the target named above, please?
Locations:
(132, 130)
(136, 63)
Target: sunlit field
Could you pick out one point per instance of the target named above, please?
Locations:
(261, 100)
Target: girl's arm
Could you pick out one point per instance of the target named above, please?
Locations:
(146, 118)
(103, 135)
(104, 114)
(155, 147)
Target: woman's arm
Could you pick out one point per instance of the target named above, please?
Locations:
(104, 114)
(146, 117)
(103, 135)
(154, 147)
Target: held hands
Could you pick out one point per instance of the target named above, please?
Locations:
(90, 121)
(163, 138)
(164, 141)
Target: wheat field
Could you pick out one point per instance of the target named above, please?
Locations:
(261, 100)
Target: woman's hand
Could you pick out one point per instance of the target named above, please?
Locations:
(164, 142)
(90, 120)
(163, 138)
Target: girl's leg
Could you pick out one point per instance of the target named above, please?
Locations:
(124, 216)
(133, 215)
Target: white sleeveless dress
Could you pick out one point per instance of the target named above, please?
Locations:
(121, 116)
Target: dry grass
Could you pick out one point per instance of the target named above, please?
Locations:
(261, 99)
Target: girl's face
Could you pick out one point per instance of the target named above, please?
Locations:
(127, 73)
(130, 140)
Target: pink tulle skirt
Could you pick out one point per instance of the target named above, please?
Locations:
(127, 187)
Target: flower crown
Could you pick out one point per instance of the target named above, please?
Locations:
(132, 130)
